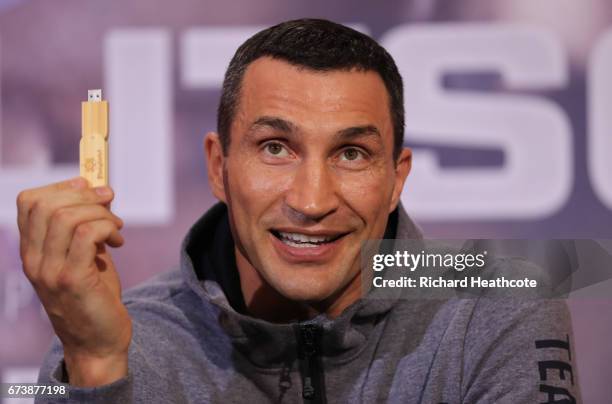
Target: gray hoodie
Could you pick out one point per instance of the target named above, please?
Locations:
(193, 343)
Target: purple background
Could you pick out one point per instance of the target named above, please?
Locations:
(51, 53)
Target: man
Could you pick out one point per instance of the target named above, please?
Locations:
(308, 164)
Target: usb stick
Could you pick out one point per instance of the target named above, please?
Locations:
(93, 159)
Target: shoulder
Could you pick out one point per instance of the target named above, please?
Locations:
(504, 349)
(163, 303)
(534, 316)
(519, 348)
(157, 288)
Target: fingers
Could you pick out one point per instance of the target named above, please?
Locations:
(26, 198)
(62, 225)
(44, 207)
(37, 206)
(84, 246)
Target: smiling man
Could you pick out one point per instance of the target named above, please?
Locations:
(308, 164)
(310, 171)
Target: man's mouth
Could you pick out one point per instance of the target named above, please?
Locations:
(297, 247)
(300, 240)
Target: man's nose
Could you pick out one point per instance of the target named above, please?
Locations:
(313, 193)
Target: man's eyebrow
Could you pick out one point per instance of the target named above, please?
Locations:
(274, 123)
(289, 127)
(358, 131)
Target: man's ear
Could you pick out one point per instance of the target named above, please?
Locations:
(214, 163)
(402, 169)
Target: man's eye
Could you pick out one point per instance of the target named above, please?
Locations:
(276, 149)
(351, 154)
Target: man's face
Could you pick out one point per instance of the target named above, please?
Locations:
(309, 175)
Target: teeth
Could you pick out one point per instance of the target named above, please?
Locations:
(298, 245)
(297, 238)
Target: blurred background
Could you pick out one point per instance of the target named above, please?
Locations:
(508, 109)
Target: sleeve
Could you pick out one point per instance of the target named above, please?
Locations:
(53, 371)
(520, 351)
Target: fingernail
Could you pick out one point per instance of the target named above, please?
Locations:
(103, 191)
(78, 182)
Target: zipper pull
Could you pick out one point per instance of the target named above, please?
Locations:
(308, 350)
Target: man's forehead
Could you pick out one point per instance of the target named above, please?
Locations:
(274, 87)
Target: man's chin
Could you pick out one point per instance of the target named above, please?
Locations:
(304, 290)
(307, 283)
(307, 297)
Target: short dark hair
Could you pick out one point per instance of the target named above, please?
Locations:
(319, 45)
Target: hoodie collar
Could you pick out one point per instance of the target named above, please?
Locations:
(208, 267)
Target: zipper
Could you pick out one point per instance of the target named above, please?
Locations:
(308, 337)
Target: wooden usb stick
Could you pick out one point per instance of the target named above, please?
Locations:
(93, 159)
